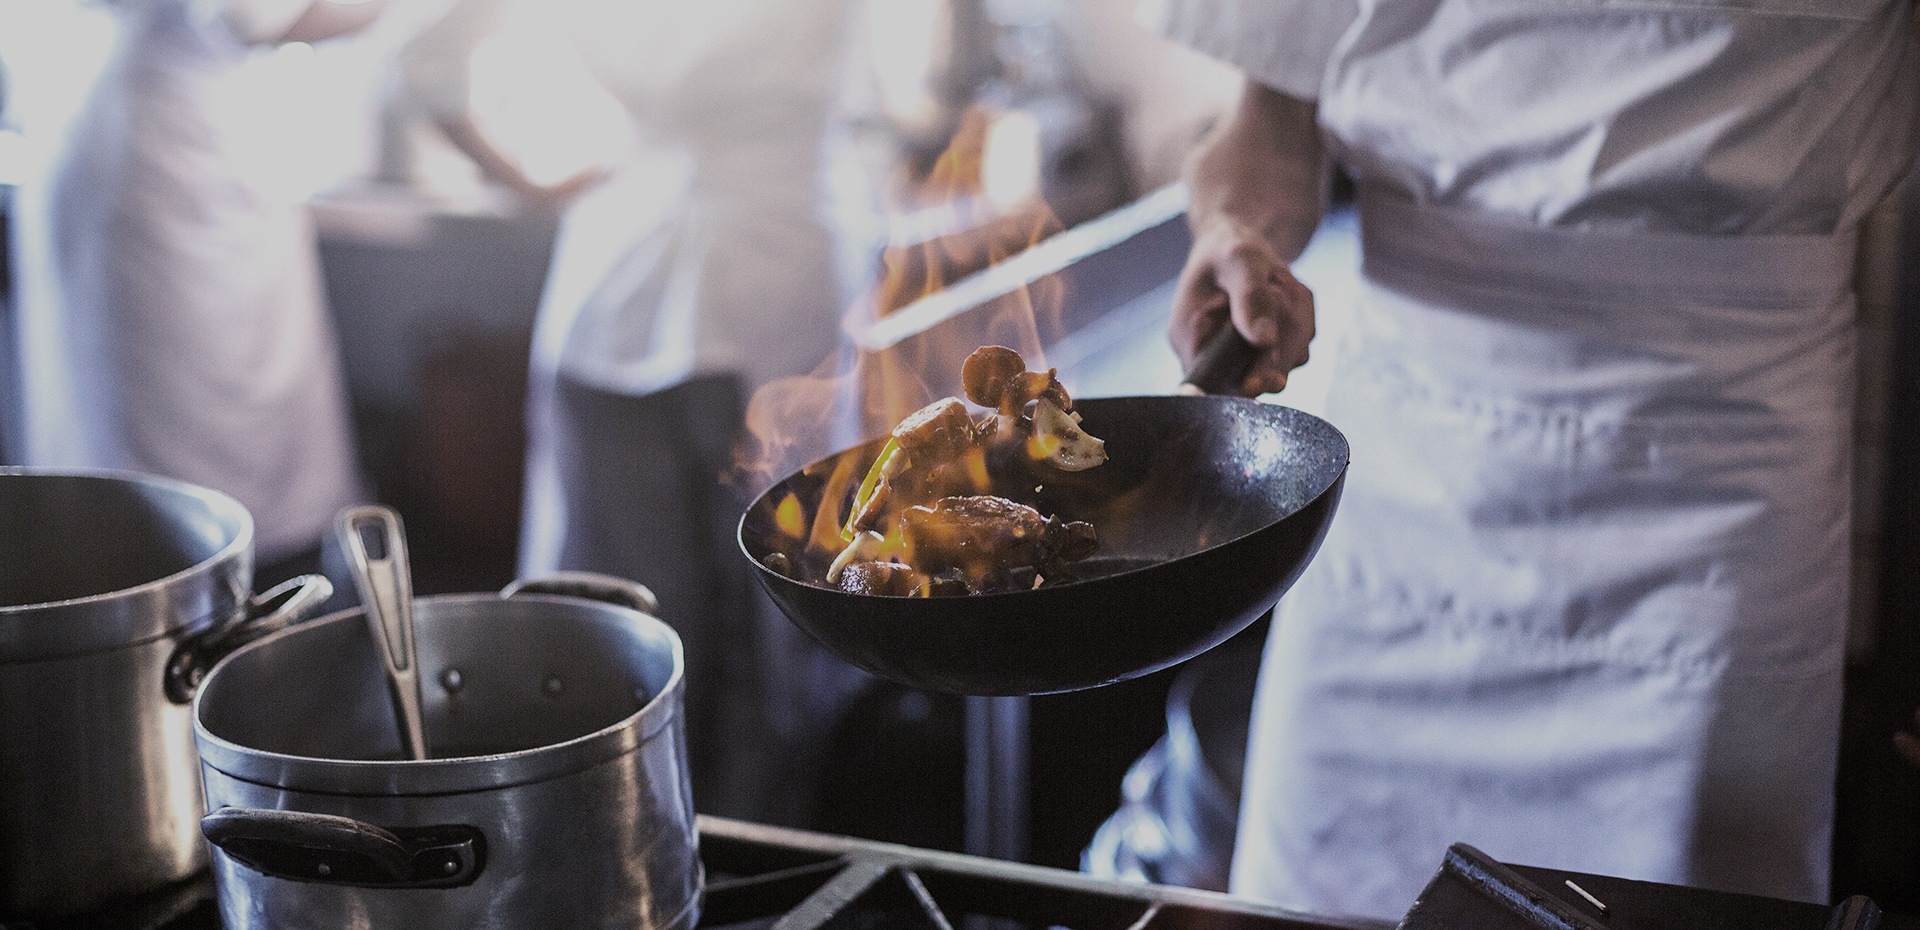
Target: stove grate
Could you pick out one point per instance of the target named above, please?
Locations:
(762, 877)
(804, 881)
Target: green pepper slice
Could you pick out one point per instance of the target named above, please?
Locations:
(867, 486)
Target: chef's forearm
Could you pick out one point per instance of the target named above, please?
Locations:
(1263, 169)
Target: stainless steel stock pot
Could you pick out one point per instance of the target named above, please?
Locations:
(116, 590)
(554, 794)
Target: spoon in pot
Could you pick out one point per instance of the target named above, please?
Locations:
(376, 550)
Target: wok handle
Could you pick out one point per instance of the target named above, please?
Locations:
(1222, 362)
(325, 848)
(591, 585)
(268, 612)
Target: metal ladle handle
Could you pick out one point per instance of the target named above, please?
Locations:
(386, 595)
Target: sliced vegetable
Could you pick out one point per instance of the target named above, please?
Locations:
(1061, 442)
(867, 486)
(865, 546)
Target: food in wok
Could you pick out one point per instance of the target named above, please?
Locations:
(925, 521)
(1207, 509)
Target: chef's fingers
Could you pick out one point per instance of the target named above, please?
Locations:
(1272, 309)
(1199, 307)
(1234, 278)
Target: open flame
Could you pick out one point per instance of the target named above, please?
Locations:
(958, 219)
(946, 228)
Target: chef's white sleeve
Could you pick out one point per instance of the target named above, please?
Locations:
(1284, 44)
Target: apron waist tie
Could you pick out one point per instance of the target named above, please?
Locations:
(1421, 243)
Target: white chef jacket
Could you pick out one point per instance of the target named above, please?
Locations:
(735, 232)
(171, 317)
(1583, 602)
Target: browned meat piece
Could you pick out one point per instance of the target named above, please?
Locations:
(975, 535)
(889, 579)
(932, 492)
(936, 432)
(937, 441)
(994, 544)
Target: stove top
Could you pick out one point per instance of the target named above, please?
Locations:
(784, 879)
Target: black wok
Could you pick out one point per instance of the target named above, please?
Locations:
(1207, 509)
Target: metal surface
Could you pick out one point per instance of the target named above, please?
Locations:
(995, 778)
(772, 877)
(1105, 263)
(1472, 889)
(303, 847)
(376, 550)
(102, 560)
(555, 734)
(591, 585)
(1207, 508)
(1180, 801)
(102, 576)
(811, 880)
(268, 612)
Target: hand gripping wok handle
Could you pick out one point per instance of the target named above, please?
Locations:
(1222, 362)
(309, 847)
(386, 594)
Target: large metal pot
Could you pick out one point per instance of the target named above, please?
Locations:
(115, 590)
(554, 794)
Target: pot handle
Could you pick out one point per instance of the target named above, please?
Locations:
(591, 585)
(329, 849)
(267, 612)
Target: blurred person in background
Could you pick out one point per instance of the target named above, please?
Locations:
(1584, 603)
(715, 254)
(170, 314)
(472, 56)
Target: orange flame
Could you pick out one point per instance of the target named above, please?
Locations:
(920, 264)
(790, 517)
(797, 421)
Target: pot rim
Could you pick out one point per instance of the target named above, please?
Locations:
(47, 630)
(409, 777)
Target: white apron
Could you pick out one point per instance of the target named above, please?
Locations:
(1583, 602)
(171, 315)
